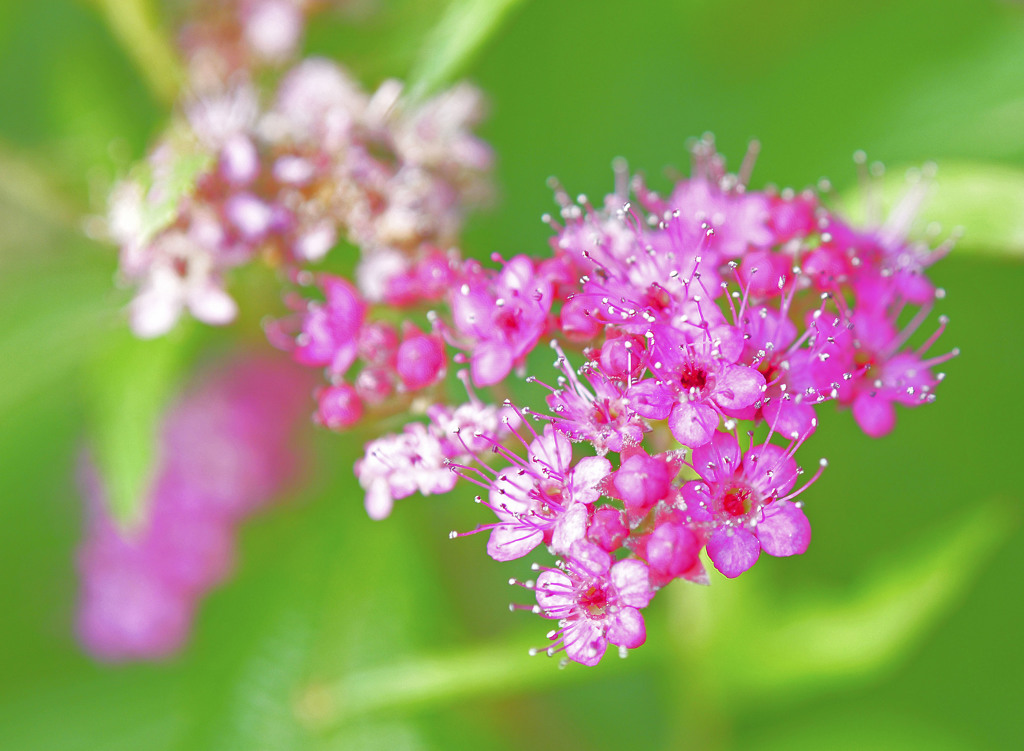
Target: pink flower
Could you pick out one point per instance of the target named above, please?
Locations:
(595, 602)
(877, 373)
(423, 457)
(329, 334)
(600, 414)
(744, 502)
(693, 386)
(180, 274)
(501, 317)
(544, 499)
(397, 465)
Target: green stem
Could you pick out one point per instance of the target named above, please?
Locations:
(492, 670)
(135, 26)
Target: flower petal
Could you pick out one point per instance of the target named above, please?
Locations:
(491, 362)
(692, 424)
(738, 386)
(784, 530)
(632, 582)
(650, 399)
(570, 527)
(510, 540)
(585, 642)
(626, 628)
(555, 593)
(733, 551)
(875, 415)
(585, 476)
(588, 557)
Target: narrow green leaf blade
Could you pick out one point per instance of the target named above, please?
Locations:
(449, 48)
(986, 201)
(834, 641)
(130, 387)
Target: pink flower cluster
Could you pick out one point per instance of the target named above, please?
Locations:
(222, 39)
(712, 324)
(225, 453)
(286, 180)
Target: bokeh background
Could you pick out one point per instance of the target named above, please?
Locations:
(899, 629)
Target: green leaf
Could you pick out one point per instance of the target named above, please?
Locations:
(451, 45)
(763, 649)
(130, 387)
(26, 187)
(134, 24)
(494, 670)
(985, 200)
(55, 315)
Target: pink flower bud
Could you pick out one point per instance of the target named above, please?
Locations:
(607, 528)
(373, 385)
(621, 356)
(378, 343)
(339, 407)
(421, 359)
(641, 482)
(671, 551)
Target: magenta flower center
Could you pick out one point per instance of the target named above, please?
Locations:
(693, 376)
(657, 298)
(594, 602)
(770, 368)
(736, 501)
(507, 320)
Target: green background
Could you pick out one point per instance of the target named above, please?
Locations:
(899, 629)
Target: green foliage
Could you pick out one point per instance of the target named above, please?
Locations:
(984, 201)
(130, 387)
(778, 650)
(450, 46)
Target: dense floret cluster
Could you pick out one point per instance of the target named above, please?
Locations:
(238, 181)
(707, 327)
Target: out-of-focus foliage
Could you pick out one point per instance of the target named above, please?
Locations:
(985, 199)
(900, 627)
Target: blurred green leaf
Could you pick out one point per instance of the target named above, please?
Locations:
(54, 318)
(451, 45)
(25, 186)
(892, 730)
(134, 24)
(761, 649)
(498, 669)
(394, 736)
(480, 671)
(291, 612)
(130, 386)
(985, 200)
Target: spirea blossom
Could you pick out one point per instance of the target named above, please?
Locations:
(697, 337)
(225, 452)
(284, 179)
